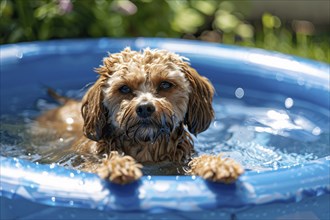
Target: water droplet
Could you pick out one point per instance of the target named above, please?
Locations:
(239, 93)
(52, 166)
(69, 120)
(71, 175)
(19, 55)
(53, 199)
(71, 202)
(218, 125)
(288, 103)
(193, 177)
(316, 131)
(61, 140)
(149, 177)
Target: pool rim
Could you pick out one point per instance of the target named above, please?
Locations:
(251, 189)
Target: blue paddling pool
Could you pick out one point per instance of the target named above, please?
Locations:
(272, 115)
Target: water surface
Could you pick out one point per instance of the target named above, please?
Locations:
(261, 131)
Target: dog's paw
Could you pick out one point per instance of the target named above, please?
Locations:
(215, 168)
(120, 169)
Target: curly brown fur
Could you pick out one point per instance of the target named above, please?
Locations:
(119, 169)
(215, 168)
(111, 118)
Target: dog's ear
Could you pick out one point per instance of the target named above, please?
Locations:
(200, 112)
(94, 112)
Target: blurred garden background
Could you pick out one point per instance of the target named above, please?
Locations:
(298, 27)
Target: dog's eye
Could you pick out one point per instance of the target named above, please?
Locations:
(125, 89)
(165, 85)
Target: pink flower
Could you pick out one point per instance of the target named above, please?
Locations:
(65, 6)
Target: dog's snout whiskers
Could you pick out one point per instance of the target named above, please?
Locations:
(150, 130)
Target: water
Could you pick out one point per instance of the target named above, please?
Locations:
(266, 137)
(261, 131)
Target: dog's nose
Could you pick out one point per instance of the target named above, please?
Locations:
(145, 110)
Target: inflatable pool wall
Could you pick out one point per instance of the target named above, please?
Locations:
(35, 191)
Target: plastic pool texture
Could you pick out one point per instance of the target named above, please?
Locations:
(34, 191)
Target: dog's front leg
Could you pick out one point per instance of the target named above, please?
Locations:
(215, 168)
(120, 169)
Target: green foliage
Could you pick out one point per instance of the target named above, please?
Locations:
(211, 20)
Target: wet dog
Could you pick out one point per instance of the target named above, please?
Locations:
(144, 105)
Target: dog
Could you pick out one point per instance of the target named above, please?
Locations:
(144, 108)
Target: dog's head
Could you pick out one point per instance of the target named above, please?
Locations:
(146, 95)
